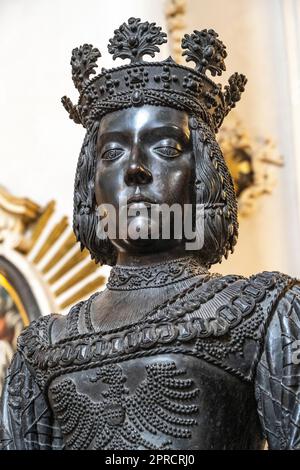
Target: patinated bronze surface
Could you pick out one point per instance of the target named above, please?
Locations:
(168, 356)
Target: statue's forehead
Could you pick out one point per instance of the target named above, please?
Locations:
(144, 117)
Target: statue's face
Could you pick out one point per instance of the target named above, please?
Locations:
(144, 156)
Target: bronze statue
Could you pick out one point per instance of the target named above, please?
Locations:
(169, 356)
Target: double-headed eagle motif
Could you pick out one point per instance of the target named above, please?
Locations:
(162, 403)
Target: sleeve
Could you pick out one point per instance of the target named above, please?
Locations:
(277, 383)
(26, 421)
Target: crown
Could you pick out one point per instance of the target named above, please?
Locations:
(164, 83)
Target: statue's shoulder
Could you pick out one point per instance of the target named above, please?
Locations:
(266, 290)
(276, 286)
(284, 306)
(234, 316)
(51, 329)
(234, 299)
(37, 332)
(70, 326)
(67, 326)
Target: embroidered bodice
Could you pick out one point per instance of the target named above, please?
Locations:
(195, 372)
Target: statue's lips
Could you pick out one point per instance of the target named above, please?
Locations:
(140, 202)
(139, 205)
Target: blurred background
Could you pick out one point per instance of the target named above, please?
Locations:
(41, 267)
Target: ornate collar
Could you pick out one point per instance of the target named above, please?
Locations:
(155, 275)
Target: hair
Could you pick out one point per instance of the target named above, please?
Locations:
(213, 188)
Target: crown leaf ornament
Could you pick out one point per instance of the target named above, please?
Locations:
(208, 52)
(83, 63)
(164, 83)
(234, 90)
(135, 39)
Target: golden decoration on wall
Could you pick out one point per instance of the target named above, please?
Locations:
(48, 250)
(251, 161)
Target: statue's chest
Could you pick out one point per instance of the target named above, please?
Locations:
(162, 401)
(181, 378)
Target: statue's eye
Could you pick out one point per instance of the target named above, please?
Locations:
(167, 151)
(112, 154)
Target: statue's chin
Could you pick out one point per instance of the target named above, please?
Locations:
(143, 233)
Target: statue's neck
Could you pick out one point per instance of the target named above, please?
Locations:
(134, 290)
(160, 274)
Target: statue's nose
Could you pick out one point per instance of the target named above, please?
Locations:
(137, 173)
